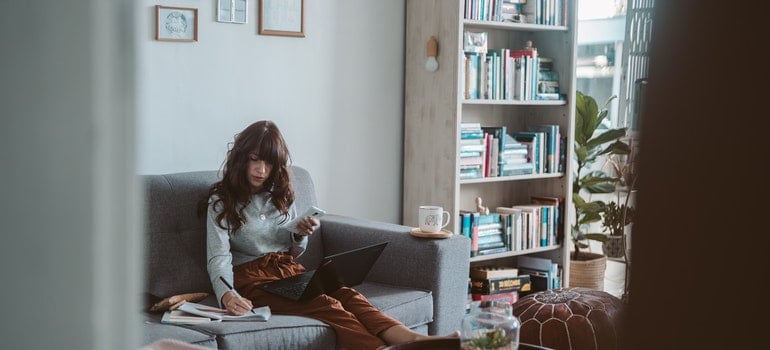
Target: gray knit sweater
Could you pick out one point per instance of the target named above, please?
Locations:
(261, 234)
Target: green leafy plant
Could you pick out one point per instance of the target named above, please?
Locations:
(616, 217)
(589, 147)
(491, 340)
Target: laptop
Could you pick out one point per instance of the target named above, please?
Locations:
(335, 271)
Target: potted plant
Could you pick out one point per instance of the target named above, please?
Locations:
(615, 219)
(586, 268)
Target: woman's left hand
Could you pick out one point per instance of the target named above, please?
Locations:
(307, 225)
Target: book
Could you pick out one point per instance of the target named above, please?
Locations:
(496, 250)
(515, 225)
(540, 271)
(261, 313)
(493, 271)
(557, 219)
(465, 220)
(538, 279)
(510, 297)
(181, 317)
(474, 232)
(503, 284)
(531, 224)
(537, 140)
(551, 145)
(499, 134)
(471, 89)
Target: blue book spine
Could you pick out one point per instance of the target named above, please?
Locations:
(465, 227)
(544, 226)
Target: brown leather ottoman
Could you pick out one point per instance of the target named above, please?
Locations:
(571, 318)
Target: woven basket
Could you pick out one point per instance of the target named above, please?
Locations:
(588, 273)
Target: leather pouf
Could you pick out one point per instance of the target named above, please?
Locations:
(571, 318)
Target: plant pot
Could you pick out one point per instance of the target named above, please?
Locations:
(613, 247)
(588, 272)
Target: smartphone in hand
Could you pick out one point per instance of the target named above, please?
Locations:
(312, 211)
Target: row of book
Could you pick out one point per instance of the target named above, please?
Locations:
(516, 228)
(507, 283)
(489, 151)
(507, 74)
(547, 12)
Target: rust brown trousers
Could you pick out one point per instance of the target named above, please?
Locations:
(356, 322)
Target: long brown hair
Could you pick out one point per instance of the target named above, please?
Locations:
(234, 191)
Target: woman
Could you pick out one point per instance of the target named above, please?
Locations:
(246, 244)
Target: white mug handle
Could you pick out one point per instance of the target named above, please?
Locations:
(445, 219)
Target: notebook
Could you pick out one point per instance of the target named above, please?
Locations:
(335, 271)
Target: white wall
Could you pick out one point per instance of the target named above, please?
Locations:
(73, 134)
(336, 94)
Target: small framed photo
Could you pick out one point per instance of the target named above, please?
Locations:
(176, 23)
(232, 11)
(282, 17)
(475, 42)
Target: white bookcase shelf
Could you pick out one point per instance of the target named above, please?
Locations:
(435, 107)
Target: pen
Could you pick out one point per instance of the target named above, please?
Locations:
(233, 290)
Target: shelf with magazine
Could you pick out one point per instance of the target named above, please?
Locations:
(438, 170)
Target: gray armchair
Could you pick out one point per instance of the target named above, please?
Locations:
(421, 282)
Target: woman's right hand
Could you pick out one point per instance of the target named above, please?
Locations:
(236, 304)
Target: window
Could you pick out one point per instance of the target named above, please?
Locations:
(613, 39)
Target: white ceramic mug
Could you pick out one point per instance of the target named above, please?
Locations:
(433, 218)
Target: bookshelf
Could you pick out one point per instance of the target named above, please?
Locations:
(435, 108)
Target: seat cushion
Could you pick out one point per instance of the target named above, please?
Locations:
(410, 306)
(153, 331)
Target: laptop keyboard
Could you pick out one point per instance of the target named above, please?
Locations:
(294, 290)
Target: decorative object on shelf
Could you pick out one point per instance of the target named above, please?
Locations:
(490, 325)
(176, 23)
(232, 11)
(480, 208)
(571, 318)
(282, 17)
(431, 51)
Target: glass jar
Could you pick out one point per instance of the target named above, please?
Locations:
(490, 325)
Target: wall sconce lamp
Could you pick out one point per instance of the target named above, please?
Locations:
(431, 50)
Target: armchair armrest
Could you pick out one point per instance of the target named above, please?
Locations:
(438, 265)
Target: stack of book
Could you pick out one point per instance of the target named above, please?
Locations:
(486, 231)
(473, 150)
(544, 274)
(551, 145)
(548, 81)
(514, 158)
(498, 283)
(536, 143)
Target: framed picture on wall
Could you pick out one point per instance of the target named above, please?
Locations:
(176, 23)
(282, 17)
(232, 11)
